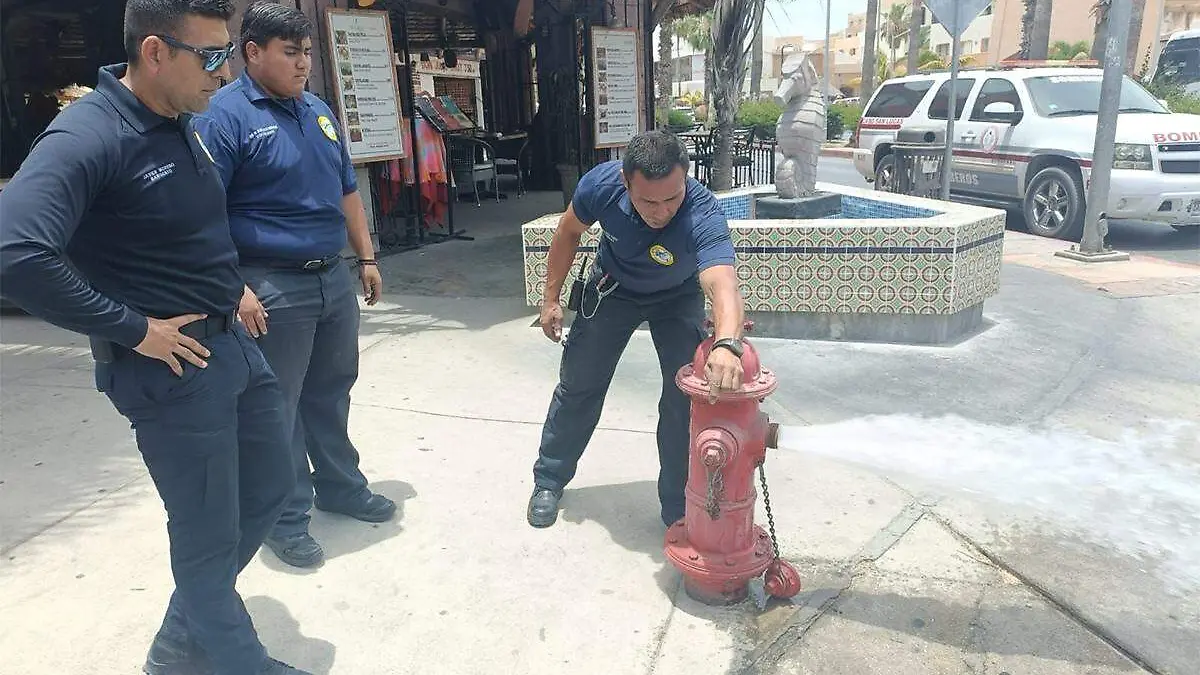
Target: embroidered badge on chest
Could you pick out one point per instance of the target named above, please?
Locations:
(328, 128)
(661, 255)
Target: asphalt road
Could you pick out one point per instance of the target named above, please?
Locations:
(1154, 239)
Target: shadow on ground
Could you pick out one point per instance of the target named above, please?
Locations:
(276, 626)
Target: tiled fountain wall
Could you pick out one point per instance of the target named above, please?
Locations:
(887, 267)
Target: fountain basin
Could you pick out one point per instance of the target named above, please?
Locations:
(880, 267)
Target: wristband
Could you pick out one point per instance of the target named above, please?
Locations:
(368, 261)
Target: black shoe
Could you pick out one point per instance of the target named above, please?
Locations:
(543, 507)
(672, 515)
(376, 509)
(172, 655)
(274, 667)
(299, 550)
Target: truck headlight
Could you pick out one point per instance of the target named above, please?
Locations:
(1132, 156)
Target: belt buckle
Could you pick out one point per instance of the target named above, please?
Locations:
(314, 264)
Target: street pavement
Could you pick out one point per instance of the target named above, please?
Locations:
(904, 573)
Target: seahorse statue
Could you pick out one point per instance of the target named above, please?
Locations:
(800, 129)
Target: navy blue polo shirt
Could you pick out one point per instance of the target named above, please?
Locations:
(132, 199)
(286, 166)
(641, 258)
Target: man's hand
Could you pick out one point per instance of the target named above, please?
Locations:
(164, 342)
(552, 317)
(252, 314)
(724, 372)
(372, 282)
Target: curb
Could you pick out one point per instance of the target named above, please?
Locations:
(842, 153)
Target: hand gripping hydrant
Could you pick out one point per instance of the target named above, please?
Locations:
(717, 546)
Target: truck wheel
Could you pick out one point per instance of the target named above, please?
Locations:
(885, 173)
(1054, 204)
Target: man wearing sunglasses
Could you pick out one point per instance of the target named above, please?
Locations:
(122, 184)
(293, 206)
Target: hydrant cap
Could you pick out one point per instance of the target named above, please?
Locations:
(756, 382)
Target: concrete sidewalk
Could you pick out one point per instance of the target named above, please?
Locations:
(455, 382)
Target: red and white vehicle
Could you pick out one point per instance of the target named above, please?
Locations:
(1024, 137)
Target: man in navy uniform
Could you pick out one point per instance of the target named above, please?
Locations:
(292, 199)
(665, 245)
(121, 184)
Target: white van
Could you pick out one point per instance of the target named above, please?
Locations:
(1024, 137)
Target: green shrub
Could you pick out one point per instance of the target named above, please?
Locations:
(1177, 99)
(834, 126)
(679, 118)
(762, 115)
(849, 114)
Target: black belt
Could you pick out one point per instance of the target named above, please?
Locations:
(104, 351)
(313, 265)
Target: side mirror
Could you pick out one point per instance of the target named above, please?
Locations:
(1002, 111)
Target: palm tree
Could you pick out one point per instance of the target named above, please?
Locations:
(733, 26)
(870, 37)
(696, 30)
(894, 30)
(1135, 35)
(914, 45)
(756, 61)
(664, 73)
(1039, 41)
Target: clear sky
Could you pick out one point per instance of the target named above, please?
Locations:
(807, 17)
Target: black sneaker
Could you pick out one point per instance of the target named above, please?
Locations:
(175, 655)
(376, 509)
(299, 550)
(543, 507)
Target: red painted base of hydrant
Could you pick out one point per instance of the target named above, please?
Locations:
(716, 545)
(717, 578)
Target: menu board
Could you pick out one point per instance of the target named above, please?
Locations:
(615, 86)
(364, 73)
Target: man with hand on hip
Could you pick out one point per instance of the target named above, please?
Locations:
(293, 201)
(665, 244)
(123, 186)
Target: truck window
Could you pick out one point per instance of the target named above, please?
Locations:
(898, 99)
(995, 90)
(939, 109)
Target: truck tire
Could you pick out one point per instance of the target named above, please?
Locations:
(1055, 204)
(885, 172)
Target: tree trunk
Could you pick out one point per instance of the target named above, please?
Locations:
(1027, 27)
(1100, 40)
(870, 39)
(1039, 38)
(756, 62)
(664, 75)
(1132, 53)
(914, 38)
(733, 28)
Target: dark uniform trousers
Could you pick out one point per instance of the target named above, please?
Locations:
(312, 345)
(591, 350)
(214, 442)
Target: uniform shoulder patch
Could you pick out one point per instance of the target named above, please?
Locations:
(327, 126)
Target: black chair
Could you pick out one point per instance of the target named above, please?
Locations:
(474, 161)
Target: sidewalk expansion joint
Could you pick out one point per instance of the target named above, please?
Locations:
(4, 552)
(480, 418)
(1069, 610)
(660, 636)
(805, 616)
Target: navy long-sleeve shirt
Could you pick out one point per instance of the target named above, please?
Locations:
(117, 214)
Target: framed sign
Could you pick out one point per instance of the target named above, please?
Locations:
(616, 83)
(364, 75)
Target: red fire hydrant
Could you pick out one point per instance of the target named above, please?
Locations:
(717, 546)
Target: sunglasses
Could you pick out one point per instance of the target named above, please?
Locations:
(213, 58)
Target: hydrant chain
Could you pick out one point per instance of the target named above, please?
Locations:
(762, 476)
(716, 490)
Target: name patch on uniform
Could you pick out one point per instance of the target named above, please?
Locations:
(327, 127)
(262, 132)
(154, 175)
(661, 255)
